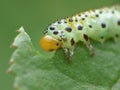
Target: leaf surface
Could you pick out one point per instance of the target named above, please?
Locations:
(34, 71)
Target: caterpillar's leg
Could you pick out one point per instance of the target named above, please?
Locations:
(89, 46)
(116, 38)
(66, 53)
(69, 53)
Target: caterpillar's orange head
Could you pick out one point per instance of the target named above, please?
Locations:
(49, 43)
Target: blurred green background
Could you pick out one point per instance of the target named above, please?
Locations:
(35, 16)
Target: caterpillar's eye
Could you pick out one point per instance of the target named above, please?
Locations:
(49, 43)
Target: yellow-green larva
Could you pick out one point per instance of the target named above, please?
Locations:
(99, 24)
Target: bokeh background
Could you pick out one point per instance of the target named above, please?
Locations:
(35, 16)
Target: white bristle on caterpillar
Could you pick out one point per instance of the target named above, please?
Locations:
(99, 25)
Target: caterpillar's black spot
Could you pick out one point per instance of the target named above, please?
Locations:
(102, 37)
(57, 44)
(79, 15)
(97, 15)
(70, 20)
(65, 21)
(52, 28)
(68, 29)
(76, 20)
(100, 12)
(86, 15)
(83, 18)
(118, 22)
(80, 27)
(55, 32)
(59, 22)
(72, 42)
(90, 26)
(116, 35)
(103, 25)
(86, 37)
(113, 12)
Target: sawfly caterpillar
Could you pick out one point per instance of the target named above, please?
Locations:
(98, 24)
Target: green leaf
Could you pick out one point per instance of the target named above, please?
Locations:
(34, 71)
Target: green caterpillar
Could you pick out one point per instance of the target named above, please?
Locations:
(99, 24)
